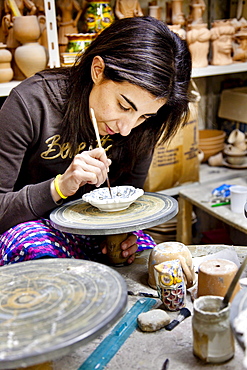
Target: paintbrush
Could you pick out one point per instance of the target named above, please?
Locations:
(99, 143)
(183, 314)
(232, 286)
(143, 294)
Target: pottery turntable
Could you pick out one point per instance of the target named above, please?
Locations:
(49, 307)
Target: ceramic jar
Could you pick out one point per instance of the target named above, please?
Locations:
(30, 57)
(6, 72)
(78, 42)
(98, 16)
(171, 251)
(213, 340)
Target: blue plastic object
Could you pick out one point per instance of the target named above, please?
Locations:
(222, 191)
(100, 357)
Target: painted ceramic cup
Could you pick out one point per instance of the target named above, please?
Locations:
(168, 251)
(236, 136)
(170, 284)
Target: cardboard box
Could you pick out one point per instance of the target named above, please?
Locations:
(176, 163)
(233, 103)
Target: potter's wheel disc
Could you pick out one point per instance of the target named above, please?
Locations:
(80, 217)
(49, 307)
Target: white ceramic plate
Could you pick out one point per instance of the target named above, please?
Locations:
(122, 198)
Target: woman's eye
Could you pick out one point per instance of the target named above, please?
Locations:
(123, 108)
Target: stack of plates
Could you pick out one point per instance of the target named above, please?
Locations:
(166, 231)
(68, 59)
(211, 142)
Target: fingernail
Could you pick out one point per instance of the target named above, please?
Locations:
(125, 254)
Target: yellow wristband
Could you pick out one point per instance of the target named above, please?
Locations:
(57, 187)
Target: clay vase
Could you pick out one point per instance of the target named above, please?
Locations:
(6, 72)
(30, 57)
(168, 251)
(98, 16)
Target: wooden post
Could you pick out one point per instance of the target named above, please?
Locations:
(184, 224)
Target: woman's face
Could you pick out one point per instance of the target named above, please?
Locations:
(119, 107)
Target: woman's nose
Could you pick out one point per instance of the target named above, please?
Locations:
(127, 124)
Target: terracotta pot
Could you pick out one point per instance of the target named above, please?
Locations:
(6, 72)
(215, 276)
(26, 28)
(31, 57)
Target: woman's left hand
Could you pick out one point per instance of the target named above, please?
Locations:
(129, 248)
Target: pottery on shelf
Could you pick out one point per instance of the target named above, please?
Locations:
(235, 158)
(98, 16)
(6, 72)
(222, 33)
(236, 136)
(122, 197)
(198, 37)
(177, 13)
(235, 151)
(78, 42)
(155, 11)
(30, 57)
(211, 142)
(128, 9)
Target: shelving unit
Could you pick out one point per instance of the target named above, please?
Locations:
(219, 70)
(6, 87)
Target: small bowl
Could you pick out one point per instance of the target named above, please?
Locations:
(122, 197)
(235, 158)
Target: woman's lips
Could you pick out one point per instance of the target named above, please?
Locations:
(109, 131)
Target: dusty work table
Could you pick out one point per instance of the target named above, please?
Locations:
(148, 351)
(200, 196)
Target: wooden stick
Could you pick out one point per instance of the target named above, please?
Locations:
(99, 143)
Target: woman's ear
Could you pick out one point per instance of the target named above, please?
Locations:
(97, 69)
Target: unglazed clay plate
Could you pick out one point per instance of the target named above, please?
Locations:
(122, 197)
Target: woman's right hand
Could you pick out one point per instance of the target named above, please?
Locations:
(89, 167)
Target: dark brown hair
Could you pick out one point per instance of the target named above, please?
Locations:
(141, 51)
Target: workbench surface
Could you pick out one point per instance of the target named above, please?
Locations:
(148, 351)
